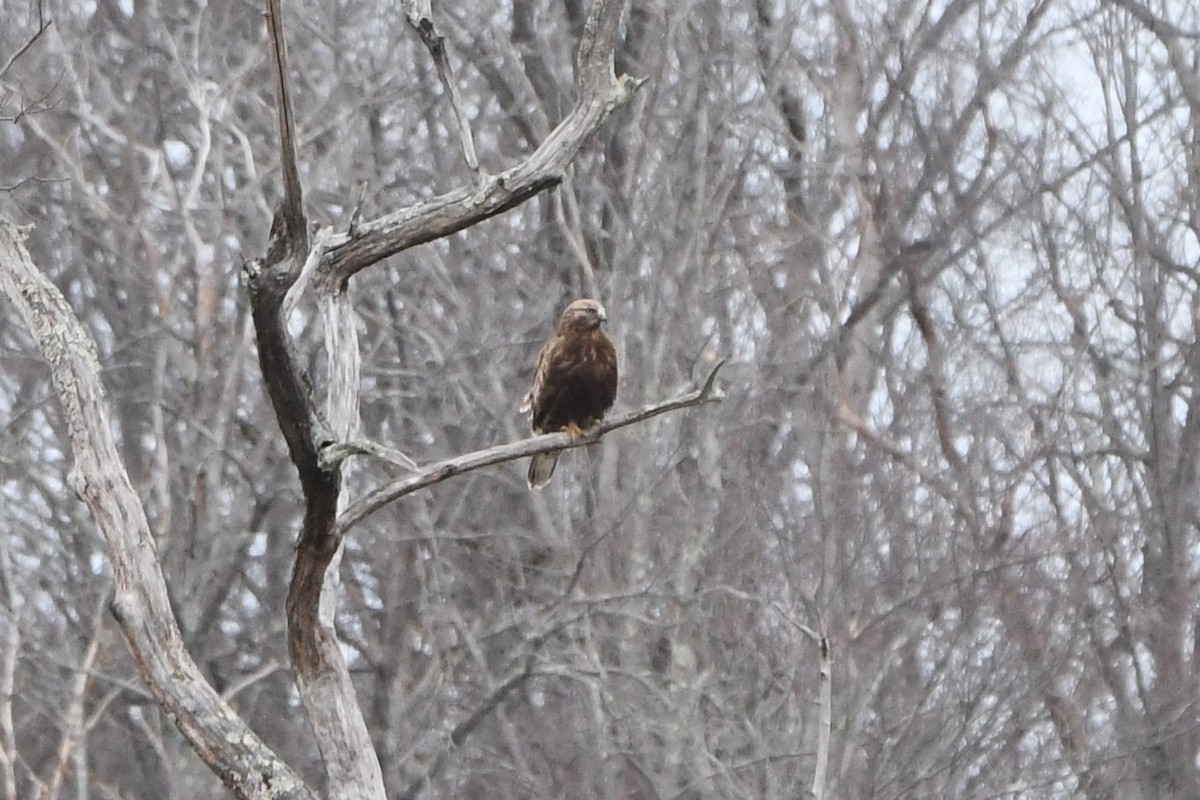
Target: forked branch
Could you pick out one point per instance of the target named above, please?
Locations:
(322, 676)
(600, 93)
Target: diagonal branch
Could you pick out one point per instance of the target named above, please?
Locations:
(1177, 52)
(420, 17)
(600, 93)
(140, 605)
(439, 743)
(335, 453)
(445, 742)
(444, 470)
(869, 435)
(43, 25)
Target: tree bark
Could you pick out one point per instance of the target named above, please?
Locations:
(140, 605)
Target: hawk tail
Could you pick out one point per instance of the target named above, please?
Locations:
(541, 468)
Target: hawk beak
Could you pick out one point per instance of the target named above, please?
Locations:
(600, 315)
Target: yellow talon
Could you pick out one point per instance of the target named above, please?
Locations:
(574, 430)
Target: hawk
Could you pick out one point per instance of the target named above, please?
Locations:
(574, 383)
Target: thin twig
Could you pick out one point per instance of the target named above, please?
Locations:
(420, 17)
(356, 215)
(43, 26)
(857, 424)
(443, 470)
(464, 729)
(12, 187)
(246, 681)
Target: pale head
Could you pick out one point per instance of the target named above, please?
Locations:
(585, 313)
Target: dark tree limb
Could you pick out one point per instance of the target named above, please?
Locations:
(322, 676)
(247, 767)
(290, 213)
(443, 470)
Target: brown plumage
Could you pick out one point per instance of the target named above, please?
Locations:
(574, 383)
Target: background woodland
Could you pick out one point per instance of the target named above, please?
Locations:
(949, 248)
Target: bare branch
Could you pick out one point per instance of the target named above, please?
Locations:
(600, 95)
(444, 744)
(336, 453)
(246, 681)
(140, 604)
(443, 470)
(857, 424)
(10, 623)
(321, 672)
(935, 369)
(594, 59)
(1159, 26)
(420, 17)
(289, 223)
(825, 676)
(1169, 35)
(43, 25)
(356, 215)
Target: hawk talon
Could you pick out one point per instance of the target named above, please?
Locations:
(573, 430)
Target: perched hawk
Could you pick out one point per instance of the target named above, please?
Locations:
(574, 384)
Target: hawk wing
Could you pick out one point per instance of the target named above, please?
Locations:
(539, 375)
(541, 466)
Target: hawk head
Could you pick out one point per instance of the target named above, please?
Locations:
(584, 314)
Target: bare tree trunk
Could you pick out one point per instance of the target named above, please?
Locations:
(140, 605)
